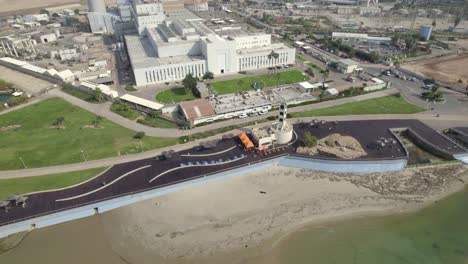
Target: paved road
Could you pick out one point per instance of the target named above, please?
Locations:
(455, 102)
(441, 122)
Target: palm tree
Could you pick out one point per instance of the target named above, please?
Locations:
(325, 74)
(277, 76)
(273, 55)
(240, 83)
(98, 96)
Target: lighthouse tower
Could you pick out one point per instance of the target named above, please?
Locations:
(283, 131)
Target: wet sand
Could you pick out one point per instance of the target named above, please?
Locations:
(236, 219)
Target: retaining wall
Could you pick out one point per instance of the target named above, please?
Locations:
(431, 148)
(370, 166)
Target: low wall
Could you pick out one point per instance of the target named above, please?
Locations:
(367, 166)
(49, 79)
(34, 74)
(431, 148)
(371, 166)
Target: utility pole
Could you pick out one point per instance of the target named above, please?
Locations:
(22, 161)
(84, 156)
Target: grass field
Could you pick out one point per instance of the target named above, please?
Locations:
(383, 105)
(245, 84)
(125, 111)
(156, 121)
(39, 145)
(43, 183)
(82, 95)
(318, 68)
(175, 95)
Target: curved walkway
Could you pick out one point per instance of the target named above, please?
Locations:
(200, 165)
(104, 111)
(444, 121)
(103, 187)
(209, 154)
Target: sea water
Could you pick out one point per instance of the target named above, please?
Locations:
(436, 234)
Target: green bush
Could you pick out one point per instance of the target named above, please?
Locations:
(14, 101)
(308, 140)
(139, 135)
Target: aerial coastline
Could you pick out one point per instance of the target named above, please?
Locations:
(243, 219)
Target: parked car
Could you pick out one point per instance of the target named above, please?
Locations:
(253, 114)
(242, 116)
(263, 112)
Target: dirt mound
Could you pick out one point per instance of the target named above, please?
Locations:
(336, 146)
(447, 69)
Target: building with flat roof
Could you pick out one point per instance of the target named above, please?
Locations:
(347, 66)
(360, 38)
(176, 48)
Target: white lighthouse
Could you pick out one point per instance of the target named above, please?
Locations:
(283, 131)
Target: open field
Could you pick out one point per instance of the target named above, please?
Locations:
(47, 182)
(384, 105)
(175, 95)
(268, 80)
(27, 83)
(448, 69)
(40, 145)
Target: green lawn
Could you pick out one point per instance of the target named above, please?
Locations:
(384, 105)
(39, 145)
(81, 95)
(318, 68)
(43, 183)
(125, 111)
(156, 121)
(245, 84)
(175, 95)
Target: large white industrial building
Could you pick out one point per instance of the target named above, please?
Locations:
(168, 48)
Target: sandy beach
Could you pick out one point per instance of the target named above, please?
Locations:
(198, 225)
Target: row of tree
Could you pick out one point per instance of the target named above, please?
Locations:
(352, 52)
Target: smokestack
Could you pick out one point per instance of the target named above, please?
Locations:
(97, 6)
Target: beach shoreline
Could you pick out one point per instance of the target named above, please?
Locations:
(252, 226)
(240, 219)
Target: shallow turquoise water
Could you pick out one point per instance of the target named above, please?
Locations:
(437, 234)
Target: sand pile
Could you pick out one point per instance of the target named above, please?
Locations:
(336, 146)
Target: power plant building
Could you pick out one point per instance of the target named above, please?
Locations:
(99, 20)
(168, 48)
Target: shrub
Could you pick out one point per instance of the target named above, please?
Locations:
(139, 135)
(14, 101)
(130, 88)
(428, 81)
(308, 140)
(208, 75)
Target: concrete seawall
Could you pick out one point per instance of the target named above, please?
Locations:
(338, 166)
